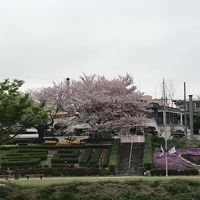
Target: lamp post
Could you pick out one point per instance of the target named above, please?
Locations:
(130, 154)
(165, 127)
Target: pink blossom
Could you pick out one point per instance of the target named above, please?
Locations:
(173, 160)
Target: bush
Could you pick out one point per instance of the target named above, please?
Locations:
(22, 157)
(65, 150)
(95, 156)
(17, 163)
(27, 150)
(177, 187)
(157, 141)
(81, 146)
(113, 159)
(58, 159)
(162, 172)
(69, 153)
(59, 165)
(66, 156)
(85, 156)
(106, 158)
(62, 171)
(147, 158)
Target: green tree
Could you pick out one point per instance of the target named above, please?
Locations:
(13, 105)
(39, 116)
(18, 111)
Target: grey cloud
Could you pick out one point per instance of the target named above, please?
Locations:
(45, 41)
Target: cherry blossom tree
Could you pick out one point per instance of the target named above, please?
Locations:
(109, 106)
(57, 98)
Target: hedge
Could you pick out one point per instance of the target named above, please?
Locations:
(15, 163)
(113, 159)
(95, 156)
(57, 159)
(27, 150)
(58, 165)
(63, 156)
(63, 171)
(157, 141)
(147, 158)
(23, 157)
(25, 154)
(65, 150)
(106, 158)
(75, 146)
(85, 156)
(162, 172)
(73, 153)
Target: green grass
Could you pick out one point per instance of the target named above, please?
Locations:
(66, 180)
(104, 188)
(113, 159)
(147, 158)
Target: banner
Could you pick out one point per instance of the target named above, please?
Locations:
(172, 150)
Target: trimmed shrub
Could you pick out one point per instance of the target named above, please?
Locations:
(58, 159)
(95, 156)
(157, 142)
(65, 150)
(27, 150)
(81, 146)
(66, 156)
(23, 157)
(72, 153)
(106, 158)
(85, 156)
(16, 154)
(162, 172)
(62, 171)
(17, 163)
(63, 156)
(113, 159)
(147, 158)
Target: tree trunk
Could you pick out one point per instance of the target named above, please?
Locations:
(41, 132)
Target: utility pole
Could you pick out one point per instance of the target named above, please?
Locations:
(130, 154)
(185, 107)
(165, 128)
(191, 117)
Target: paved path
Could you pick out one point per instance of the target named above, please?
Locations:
(104, 178)
(50, 155)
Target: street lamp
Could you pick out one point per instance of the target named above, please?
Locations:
(165, 128)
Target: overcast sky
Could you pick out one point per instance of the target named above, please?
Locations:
(47, 40)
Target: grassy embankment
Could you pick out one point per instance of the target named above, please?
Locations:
(120, 188)
(36, 182)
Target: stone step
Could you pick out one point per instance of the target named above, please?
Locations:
(136, 167)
